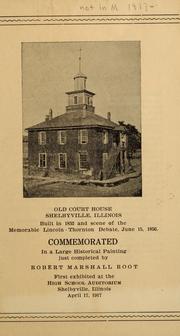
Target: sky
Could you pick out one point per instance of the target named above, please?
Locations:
(113, 71)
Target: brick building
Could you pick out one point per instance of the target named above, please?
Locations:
(78, 142)
(25, 150)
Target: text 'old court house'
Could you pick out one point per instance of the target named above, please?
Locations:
(78, 142)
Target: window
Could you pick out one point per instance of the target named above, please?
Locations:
(89, 100)
(105, 157)
(61, 137)
(75, 99)
(42, 138)
(83, 161)
(42, 160)
(105, 137)
(83, 137)
(62, 160)
(123, 139)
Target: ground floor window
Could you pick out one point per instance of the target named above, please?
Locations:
(105, 157)
(83, 161)
(42, 160)
(62, 160)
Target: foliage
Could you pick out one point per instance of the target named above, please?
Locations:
(134, 139)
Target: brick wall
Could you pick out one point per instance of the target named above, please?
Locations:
(94, 147)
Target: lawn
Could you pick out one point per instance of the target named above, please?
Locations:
(62, 189)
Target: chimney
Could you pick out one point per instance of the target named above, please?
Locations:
(50, 114)
(121, 123)
(109, 115)
(47, 117)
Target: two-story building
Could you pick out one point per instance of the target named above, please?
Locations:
(78, 142)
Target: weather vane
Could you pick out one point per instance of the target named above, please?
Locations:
(80, 59)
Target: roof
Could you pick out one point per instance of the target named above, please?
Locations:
(81, 91)
(75, 119)
(79, 75)
(121, 128)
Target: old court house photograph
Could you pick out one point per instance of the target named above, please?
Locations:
(81, 119)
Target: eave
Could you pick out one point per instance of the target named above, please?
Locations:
(80, 91)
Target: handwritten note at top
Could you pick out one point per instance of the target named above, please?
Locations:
(131, 7)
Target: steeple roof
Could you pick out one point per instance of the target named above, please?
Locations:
(80, 75)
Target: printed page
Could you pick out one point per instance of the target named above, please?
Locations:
(89, 174)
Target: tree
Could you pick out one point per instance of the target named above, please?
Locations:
(134, 139)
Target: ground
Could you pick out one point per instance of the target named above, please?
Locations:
(36, 187)
(61, 189)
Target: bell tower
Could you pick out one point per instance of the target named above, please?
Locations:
(80, 99)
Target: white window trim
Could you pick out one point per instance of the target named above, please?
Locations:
(40, 138)
(40, 160)
(81, 136)
(60, 138)
(104, 160)
(123, 140)
(80, 168)
(65, 155)
(105, 137)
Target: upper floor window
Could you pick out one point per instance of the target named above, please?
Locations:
(83, 136)
(105, 137)
(75, 99)
(62, 137)
(42, 138)
(62, 160)
(42, 160)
